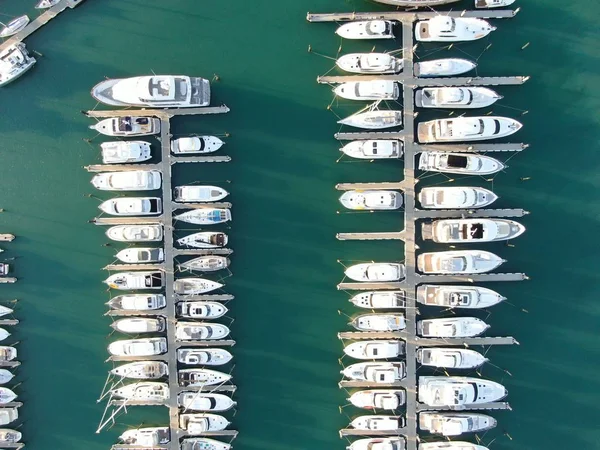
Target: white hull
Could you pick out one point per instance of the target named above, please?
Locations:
(7, 353)
(455, 424)
(5, 376)
(201, 310)
(371, 200)
(459, 163)
(201, 377)
(367, 29)
(467, 129)
(6, 395)
(128, 126)
(132, 206)
(375, 272)
(370, 63)
(200, 331)
(196, 145)
(139, 325)
(135, 233)
(210, 263)
(376, 372)
(378, 423)
(148, 391)
(14, 26)
(451, 445)
(139, 180)
(8, 415)
(468, 231)
(492, 3)
(375, 349)
(450, 358)
(142, 370)
(195, 401)
(453, 327)
(458, 391)
(148, 437)
(138, 347)
(205, 216)
(200, 423)
(379, 399)
(374, 149)
(130, 281)
(445, 67)
(384, 443)
(379, 322)
(44, 4)
(204, 356)
(141, 255)
(368, 90)
(380, 300)
(193, 286)
(205, 239)
(458, 262)
(10, 436)
(374, 120)
(199, 194)
(124, 152)
(3, 334)
(203, 444)
(4, 311)
(467, 297)
(455, 197)
(138, 302)
(456, 97)
(15, 61)
(452, 29)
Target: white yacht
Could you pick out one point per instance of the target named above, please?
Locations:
(444, 67)
(136, 280)
(139, 325)
(415, 3)
(379, 423)
(466, 129)
(368, 90)
(4, 311)
(455, 197)
(458, 391)
(205, 216)
(459, 163)
(375, 272)
(45, 4)
(145, 391)
(383, 443)
(141, 255)
(375, 349)
(377, 399)
(380, 300)
(193, 194)
(14, 62)
(138, 347)
(451, 327)
(374, 120)
(493, 3)
(132, 206)
(203, 444)
(374, 149)
(3, 334)
(367, 29)
(204, 239)
(451, 445)
(196, 145)
(8, 436)
(376, 372)
(6, 395)
(468, 297)
(371, 200)
(158, 91)
(135, 180)
(203, 356)
(194, 286)
(209, 263)
(458, 262)
(201, 310)
(146, 437)
(455, 424)
(123, 152)
(450, 358)
(8, 415)
(370, 63)
(456, 97)
(7, 353)
(14, 26)
(128, 126)
(197, 401)
(464, 231)
(142, 370)
(138, 302)
(201, 377)
(379, 322)
(135, 233)
(5, 376)
(200, 331)
(200, 423)
(452, 29)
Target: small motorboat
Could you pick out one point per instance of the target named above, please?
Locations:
(45, 4)
(451, 445)
(138, 347)
(375, 272)
(368, 90)
(380, 300)
(468, 297)
(205, 216)
(374, 149)
(197, 401)
(142, 370)
(450, 358)
(146, 437)
(493, 3)
(375, 349)
(199, 423)
(200, 331)
(14, 26)
(3, 334)
(455, 197)
(459, 163)
(203, 444)
(135, 180)
(125, 152)
(210, 263)
(458, 391)
(451, 327)
(201, 377)
(135, 233)
(379, 322)
(145, 391)
(375, 399)
(466, 231)
(128, 126)
(455, 424)
(371, 200)
(196, 144)
(14, 62)
(203, 356)
(383, 443)
(194, 286)
(445, 67)
(451, 29)
(138, 302)
(376, 372)
(7, 353)
(201, 310)
(5, 376)
(370, 63)
(6, 395)
(466, 129)
(139, 325)
(132, 206)
(8, 436)
(367, 29)
(4, 311)
(458, 261)
(393, 424)
(141, 255)
(129, 281)
(8, 415)
(204, 239)
(195, 194)
(374, 120)
(456, 97)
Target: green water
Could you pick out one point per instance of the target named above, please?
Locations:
(285, 220)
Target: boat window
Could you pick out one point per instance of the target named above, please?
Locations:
(457, 161)
(496, 126)
(481, 126)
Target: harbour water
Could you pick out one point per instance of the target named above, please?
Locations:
(283, 175)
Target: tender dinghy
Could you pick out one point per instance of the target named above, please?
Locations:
(374, 120)
(468, 297)
(8, 415)
(14, 62)
(452, 29)
(194, 286)
(129, 281)
(371, 200)
(142, 370)
(392, 424)
(138, 347)
(455, 424)
(375, 349)
(375, 272)
(132, 206)
(6, 395)
(374, 149)
(454, 197)
(5, 376)
(370, 63)
(138, 302)
(139, 325)
(45, 4)
(135, 233)
(450, 358)
(141, 255)
(196, 424)
(205, 216)
(195, 401)
(201, 377)
(200, 331)
(384, 443)
(4, 311)
(378, 373)
(9, 436)
(452, 327)
(445, 67)
(145, 391)
(204, 356)
(204, 444)
(456, 97)
(204, 239)
(451, 445)
(467, 129)
(128, 126)
(146, 437)
(367, 29)
(458, 261)
(196, 145)
(125, 152)
(465, 231)
(14, 26)
(201, 310)
(199, 194)
(458, 391)
(379, 322)
(380, 300)
(209, 263)
(368, 90)
(493, 3)
(459, 163)
(7, 353)
(376, 399)
(135, 180)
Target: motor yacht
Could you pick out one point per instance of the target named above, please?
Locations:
(135, 180)
(7, 353)
(451, 327)
(203, 444)
(196, 145)
(375, 349)
(8, 436)
(455, 424)
(456, 97)
(374, 120)
(458, 262)
(374, 149)
(198, 401)
(455, 197)
(142, 370)
(136, 280)
(379, 423)
(458, 391)
(204, 239)
(194, 194)
(14, 62)
(376, 372)
(375, 272)
(200, 331)
(138, 347)
(5, 376)
(125, 152)
(371, 200)
(367, 29)
(45, 4)
(450, 358)
(201, 377)
(199, 423)
(128, 126)
(141, 255)
(139, 325)
(138, 302)
(379, 322)
(144, 391)
(467, 129)
(459, 163)
(384, 443)
(493, 3)
(368, 90)
(445, 67)
(8, 415)
(135, 233)
(146, 437)
(203, 356)
(469, 297)
(200, 310)
(443, 28)
(378, 399)
(6, 395)
(132, 206)
(465, 231)
(380, 300)
(450, 445)
(370, 63)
